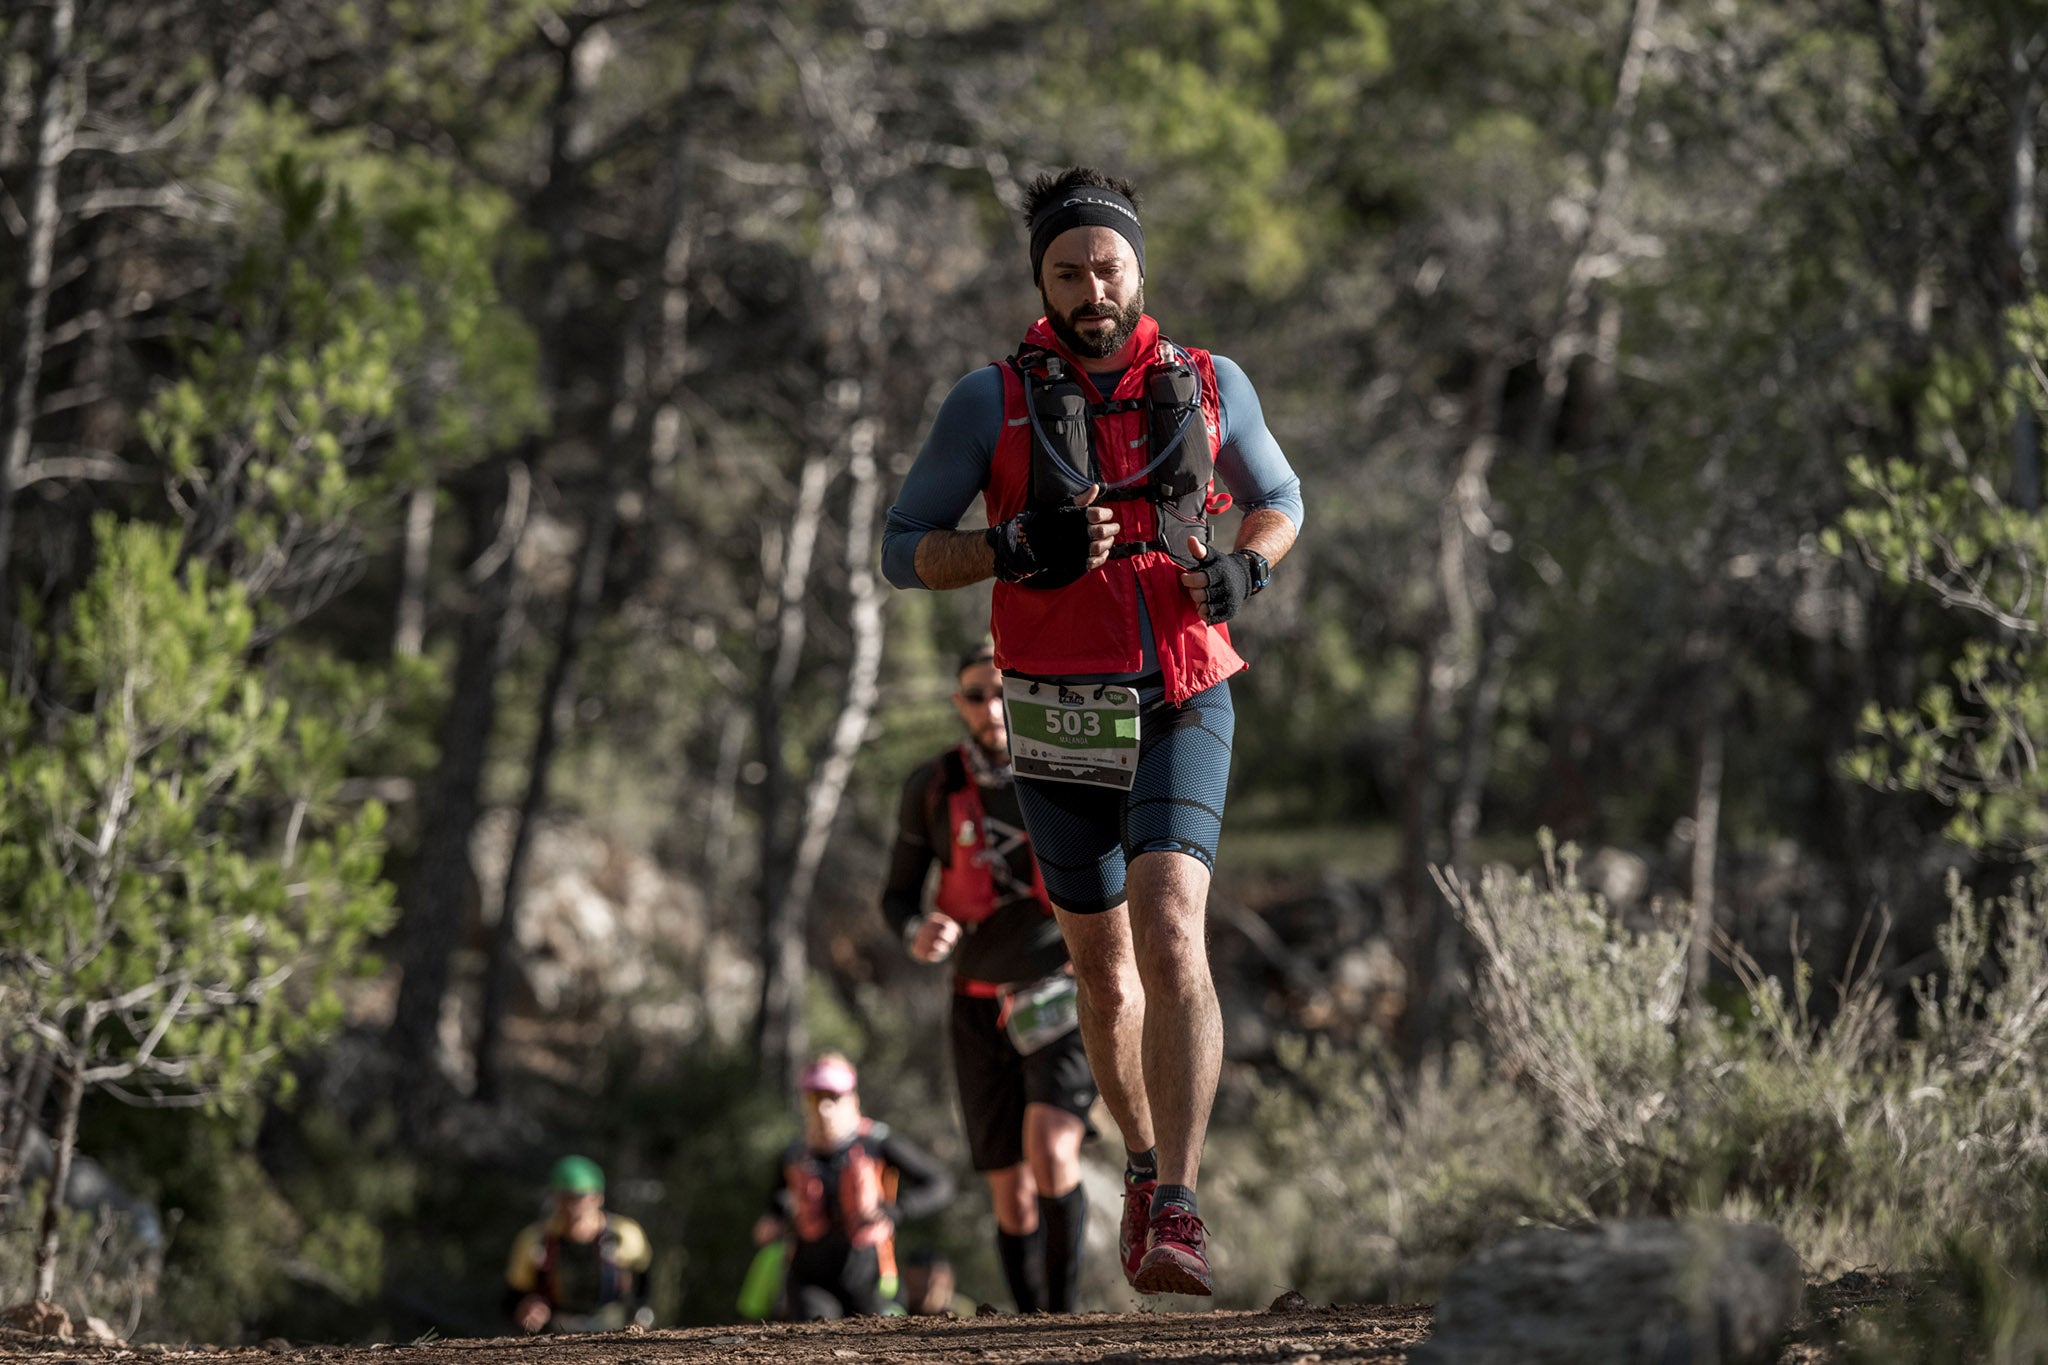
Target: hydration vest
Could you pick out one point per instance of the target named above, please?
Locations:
(866, 1182)
(614, 1280)
(1177, 476)
(967, 883)
(1152, 445)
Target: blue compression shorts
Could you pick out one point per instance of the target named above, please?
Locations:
(1084, 837)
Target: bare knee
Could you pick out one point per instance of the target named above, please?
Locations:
(1111, 990)
(1173, 956)
(1014, 1194)
(1104, 963)
(1052, 1148)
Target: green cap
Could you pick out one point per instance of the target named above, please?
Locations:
(576, 1175)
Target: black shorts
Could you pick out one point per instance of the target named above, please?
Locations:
(996, 1082)
(833, 1280)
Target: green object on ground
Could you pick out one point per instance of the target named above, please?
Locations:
(576, 1175)
(763, 1285)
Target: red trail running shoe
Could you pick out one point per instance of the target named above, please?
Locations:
(1173, 1262)
(1130, 1235)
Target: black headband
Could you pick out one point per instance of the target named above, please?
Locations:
(1087, 206)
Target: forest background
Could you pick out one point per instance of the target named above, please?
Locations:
(453, 717)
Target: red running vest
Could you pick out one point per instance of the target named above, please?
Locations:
(865, 1184)
(967, 886)
(1091, 625)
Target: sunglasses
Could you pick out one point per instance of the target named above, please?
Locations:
(976, 695)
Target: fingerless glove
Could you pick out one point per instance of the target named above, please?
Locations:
(1230, 582)
(1042, 548)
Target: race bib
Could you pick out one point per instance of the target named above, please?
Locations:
(1041, 1012)
(1064, 733)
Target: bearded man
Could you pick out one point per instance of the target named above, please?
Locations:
(1095, 449)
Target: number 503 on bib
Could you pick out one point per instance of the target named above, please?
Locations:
(1061, 733)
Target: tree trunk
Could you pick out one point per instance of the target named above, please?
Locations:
(1451, 656)
(787, 1045)
(55, 116)
(2019, 242)
(780, 1017)
(409, 637)
(437, 893)
(1568, 334)
(29, 1085)
(1706, 845)
(1910, 57)
(62, 1144)
(1419, 798)
(1481, 718)
(724, 804)
(557, 695)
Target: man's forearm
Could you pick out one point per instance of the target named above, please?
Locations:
(1271, 533)
(954, 559)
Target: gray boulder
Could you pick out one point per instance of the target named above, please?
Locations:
(1626, 1292)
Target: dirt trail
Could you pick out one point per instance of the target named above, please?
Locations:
(1376, 1334)
(1290, 1333)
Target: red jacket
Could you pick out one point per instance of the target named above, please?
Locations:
(1091, 625)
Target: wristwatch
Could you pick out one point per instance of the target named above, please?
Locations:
(1262, 571)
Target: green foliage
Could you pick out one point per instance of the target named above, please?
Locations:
(1239, 96)
(1828, 1129)
(1947, 531)
(184, 895)
(1393, 1183)
(362, 347)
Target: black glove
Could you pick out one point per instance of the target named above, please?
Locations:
(1043, 548)
(1230, 582)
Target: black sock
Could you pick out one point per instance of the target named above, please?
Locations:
(1023, 1256)
(1179, 1195)
(1141, 1166)
(1062, 1221)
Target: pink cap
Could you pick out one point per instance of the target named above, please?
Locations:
(831, 1074)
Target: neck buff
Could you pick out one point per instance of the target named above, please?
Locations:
(1087, 206)
(985, 771)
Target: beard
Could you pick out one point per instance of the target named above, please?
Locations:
(994, 741)
(1102, 344)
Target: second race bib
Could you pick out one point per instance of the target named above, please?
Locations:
(1036, 1014)
(1064, 733)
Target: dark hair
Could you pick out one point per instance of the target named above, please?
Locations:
(1049, 187)
(983, 653)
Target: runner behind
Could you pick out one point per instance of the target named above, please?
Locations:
(840, 1192)
(581, 1269)
(1018, 1061)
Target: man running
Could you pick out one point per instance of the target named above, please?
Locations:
(1094, 449)
(1023, 1077)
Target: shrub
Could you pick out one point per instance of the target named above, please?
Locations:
(106, 1269)
(1599, 1092)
